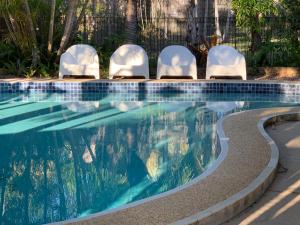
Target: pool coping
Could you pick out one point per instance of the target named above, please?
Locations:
(76, 80)
(226, 210)
(231, 205)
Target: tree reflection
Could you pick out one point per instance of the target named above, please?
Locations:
(49, 175)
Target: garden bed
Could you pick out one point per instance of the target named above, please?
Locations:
(260, 73)
(266, 73)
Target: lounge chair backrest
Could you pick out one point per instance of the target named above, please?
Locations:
(176, 55)
(223, 55)
(130, 55)
(79, 60)
(176, 61)
(82, 55)
(225, 61)
(129, 60)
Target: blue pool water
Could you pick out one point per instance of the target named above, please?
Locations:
(68, 156)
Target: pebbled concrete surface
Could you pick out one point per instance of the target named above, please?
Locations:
(281, 203)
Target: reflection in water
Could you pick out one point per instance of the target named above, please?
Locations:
(222, 108)
(65, 160)
(82, 106)
(126, 106)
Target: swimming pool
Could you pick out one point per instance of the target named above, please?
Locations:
(67, 156)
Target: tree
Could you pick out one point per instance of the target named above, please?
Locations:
(21, 27)
(131, 21)
(205, 19)
(228, 21)
(68, 26)
(193, 22)
(51, 26)
(251, 14)
(292, 12)
(217, 22)
(35, 49)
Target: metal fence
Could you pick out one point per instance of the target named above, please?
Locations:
(156, 33)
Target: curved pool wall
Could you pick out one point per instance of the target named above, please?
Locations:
(152, 86)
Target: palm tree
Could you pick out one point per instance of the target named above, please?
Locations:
(131, 21)
(51, 26)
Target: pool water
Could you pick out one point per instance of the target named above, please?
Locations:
(66, 157)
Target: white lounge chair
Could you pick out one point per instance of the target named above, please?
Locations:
(129, 61)
(176, 60)
(225, 61)
(79, 60)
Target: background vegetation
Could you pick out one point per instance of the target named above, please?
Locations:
(34, 33)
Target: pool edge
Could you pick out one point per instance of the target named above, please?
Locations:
(226, 210)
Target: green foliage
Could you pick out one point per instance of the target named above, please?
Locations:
(17, 45)
(8, 52)
(105, 51)
(13, 62)
(280, 52)
(44, 71)
(30, 72)
(266, 48)
(15, 67)
(10, 68)
(291, 7)
(250, 13)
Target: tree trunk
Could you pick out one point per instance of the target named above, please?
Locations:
(228, 21)
(51, 27)
(193, 23)
(77, 22)
(68, 26)
(255, 37)
(217, 22)
(94, 20)
(35, 51)
(255, 40)
(131, 22)
(205, 21)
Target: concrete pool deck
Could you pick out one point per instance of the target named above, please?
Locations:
(239, 180)
(280, 205)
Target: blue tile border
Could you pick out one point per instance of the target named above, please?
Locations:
(150, 87)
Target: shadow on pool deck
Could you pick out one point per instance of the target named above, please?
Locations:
(280, 205)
